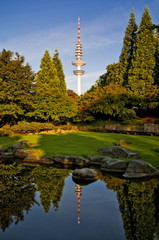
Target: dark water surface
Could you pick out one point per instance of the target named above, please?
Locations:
(45, 204)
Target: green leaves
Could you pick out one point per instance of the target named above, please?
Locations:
(51, 101)
(141, 72)
(15, 86)
(109, 101)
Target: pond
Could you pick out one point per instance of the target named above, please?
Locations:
(45, 203)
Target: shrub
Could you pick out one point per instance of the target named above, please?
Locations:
(33, 127)
(133, 122)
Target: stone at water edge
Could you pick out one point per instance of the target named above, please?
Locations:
(23, 153)
(96, 160)
(73, 160)
(139, 168)
(118, 152)
(38, 159)
(114, 165)
(86, 174)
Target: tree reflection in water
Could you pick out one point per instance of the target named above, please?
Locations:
(18, 186)
(50, 184)
(17, 194)
(138, 201)
(139, 206)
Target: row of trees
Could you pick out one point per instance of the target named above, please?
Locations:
(25, 95)
(128, 89)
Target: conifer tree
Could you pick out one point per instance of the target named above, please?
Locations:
(114, 74)
(118, 72)
(51, 102)
(16, 87)
(59, 69)
(126, 55)
(141, 74)
(157, 55)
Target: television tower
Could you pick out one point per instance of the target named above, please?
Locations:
(78, 63)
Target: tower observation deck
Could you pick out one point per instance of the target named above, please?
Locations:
(78, 63)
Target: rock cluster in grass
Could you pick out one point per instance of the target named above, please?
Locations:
(119, 152)
(109, 162)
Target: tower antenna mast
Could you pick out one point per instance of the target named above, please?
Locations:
(78, 63)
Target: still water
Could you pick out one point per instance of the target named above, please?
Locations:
(45, 203)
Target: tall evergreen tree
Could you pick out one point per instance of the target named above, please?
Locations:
(126, 55)
(16, 87)
(114, 74)
(51, 102)
(118, 72)
(157, 55)
(59, 70)
(141, 74)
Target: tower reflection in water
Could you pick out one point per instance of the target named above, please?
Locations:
(78, 190)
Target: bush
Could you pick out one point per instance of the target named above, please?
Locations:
(133, 122)
(33, 127)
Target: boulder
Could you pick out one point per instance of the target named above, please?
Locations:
(17, 145)
(96, 160)
(38, 159)
(85, 174)
(118, 152)
(24, 153)
(123, 143)
(69, 160)
(114, 165)
(139, 168)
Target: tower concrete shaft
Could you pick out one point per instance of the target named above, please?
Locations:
(78, 63)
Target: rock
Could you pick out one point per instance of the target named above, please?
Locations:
(114, 165)
(24, 153)
(86, 174)
(96, 160)
(123, 143)
(69, 160)
(17, 145)
(149, 127)
(38, 159)
(118, 152)
(139, 168)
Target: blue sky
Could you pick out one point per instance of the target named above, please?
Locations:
(30, 27)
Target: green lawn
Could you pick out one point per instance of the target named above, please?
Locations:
(83, 143)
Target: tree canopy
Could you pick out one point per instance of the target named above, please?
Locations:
(16, 86)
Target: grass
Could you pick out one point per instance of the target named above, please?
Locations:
(83, 143)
